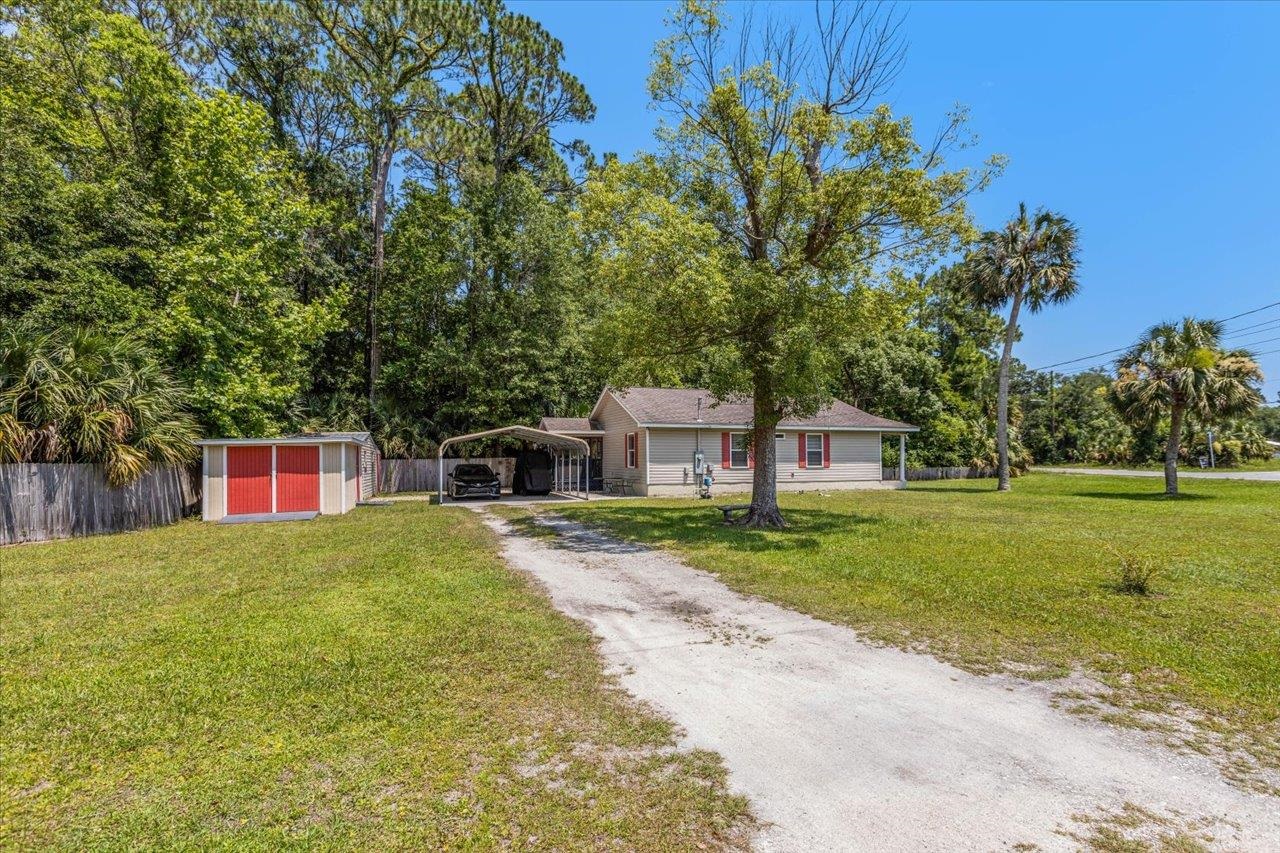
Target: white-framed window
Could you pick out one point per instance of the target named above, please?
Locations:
(738, 456)
(813, 457)
(631, 450)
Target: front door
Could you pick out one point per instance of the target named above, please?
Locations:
(248, 480)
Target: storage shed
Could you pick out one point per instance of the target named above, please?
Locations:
(296, 476)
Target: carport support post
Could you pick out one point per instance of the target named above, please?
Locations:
(902, 459)
(440, 474)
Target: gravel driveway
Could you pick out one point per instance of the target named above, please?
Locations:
(843, 745)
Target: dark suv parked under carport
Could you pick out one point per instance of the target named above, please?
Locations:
(474, 480)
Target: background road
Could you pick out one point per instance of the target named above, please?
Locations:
(1264, 476)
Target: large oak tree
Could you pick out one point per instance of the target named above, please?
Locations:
(781, 188)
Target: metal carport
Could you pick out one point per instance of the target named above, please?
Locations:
(571, 457)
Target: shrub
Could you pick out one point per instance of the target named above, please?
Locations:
(1136, 573)
(82, 396)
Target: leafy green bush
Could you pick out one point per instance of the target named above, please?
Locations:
(82, 396)
(1235, 442)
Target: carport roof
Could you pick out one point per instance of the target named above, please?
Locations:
(550, 439)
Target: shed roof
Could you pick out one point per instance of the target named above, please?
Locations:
(698, 407)
(296, 438)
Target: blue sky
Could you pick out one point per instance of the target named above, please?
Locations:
(1156, 127)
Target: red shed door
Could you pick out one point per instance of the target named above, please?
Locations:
(248, 480)
(297, 478)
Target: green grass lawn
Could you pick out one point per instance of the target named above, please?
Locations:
(377, 680)
(1026, 581)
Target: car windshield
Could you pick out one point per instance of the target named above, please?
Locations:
(473, 471)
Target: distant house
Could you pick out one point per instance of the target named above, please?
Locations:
(655, 439)
(1275, 448)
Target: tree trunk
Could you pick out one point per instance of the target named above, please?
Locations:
(1002, 397)
(764, 510)
(380, 169)
(1171, 448)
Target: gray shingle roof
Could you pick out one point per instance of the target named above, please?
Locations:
(669, 406)
(567, 425)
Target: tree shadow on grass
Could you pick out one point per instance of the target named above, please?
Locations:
(1143, 496)
(971, 490)
(703, 526)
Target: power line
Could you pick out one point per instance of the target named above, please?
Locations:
(1101, 368)
(1261, 329)
(1247, 313)
(1263, 341)
(1081, 358)
(1122, 349)
(1253, 326)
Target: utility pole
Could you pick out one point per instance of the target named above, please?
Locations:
(1053, 419)
(1212, 463)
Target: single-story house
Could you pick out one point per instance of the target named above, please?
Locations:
(324, 473)
(655, 440)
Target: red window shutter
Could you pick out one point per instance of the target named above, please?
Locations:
(751, 457)
(726, 459)
(803, 458)
(826, 450)
(626, 457)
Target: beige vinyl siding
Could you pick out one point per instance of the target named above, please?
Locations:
(855, 456)
(617, 423)
(671, 455)
(368, 471)
(331, 479)
(352, 484)
(215, 484)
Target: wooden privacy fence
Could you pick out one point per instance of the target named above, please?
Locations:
(959, 473)
(420, 475)
(54, 501)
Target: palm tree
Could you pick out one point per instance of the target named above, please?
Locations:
(1031, 263)
(81, 396)
(1180, 369)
